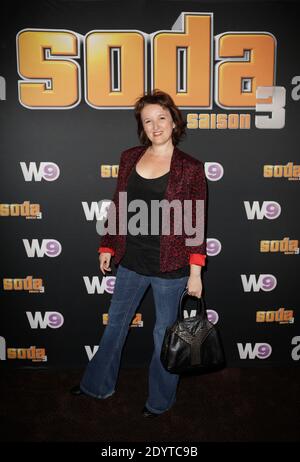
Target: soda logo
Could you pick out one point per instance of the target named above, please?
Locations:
(213, 171)
(26, 209)
(49, 247)
(282, 316)
(30, 284)
(289, 171)
(91, 352)
(296, 351)
(265, 282)
(269, 209)
(181, 62)
(48, 171)
(286, 245)
(109, 170)
(33, 353)
(213, 247)
(260, 350)
(94, 286)
(51, 319)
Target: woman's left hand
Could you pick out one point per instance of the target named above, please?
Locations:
(194, 286)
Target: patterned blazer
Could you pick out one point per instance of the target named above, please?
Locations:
(186, 181)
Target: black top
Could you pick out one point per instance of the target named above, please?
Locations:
(142, 253)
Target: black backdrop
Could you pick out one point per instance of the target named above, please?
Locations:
(83, 139)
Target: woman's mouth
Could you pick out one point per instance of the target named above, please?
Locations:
(157, 133)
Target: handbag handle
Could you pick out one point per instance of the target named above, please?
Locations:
(200, 305)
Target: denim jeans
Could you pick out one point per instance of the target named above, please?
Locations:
(101, 374)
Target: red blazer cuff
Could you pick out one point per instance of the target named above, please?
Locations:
(106, 249)
(197, 259)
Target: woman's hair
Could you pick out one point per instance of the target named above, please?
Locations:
(163, 99)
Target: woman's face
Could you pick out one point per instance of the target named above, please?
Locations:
(158, 123)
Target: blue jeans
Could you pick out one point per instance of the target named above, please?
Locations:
(101, 374)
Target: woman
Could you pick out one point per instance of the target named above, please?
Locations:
(154, 171)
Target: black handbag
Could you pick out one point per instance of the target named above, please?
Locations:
(191, 343)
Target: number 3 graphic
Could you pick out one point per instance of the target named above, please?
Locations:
(276, 107)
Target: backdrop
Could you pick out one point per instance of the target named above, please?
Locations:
(70, 73)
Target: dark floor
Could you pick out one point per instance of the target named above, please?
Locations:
(234, 404)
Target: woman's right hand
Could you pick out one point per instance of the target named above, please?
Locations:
(104, 259)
